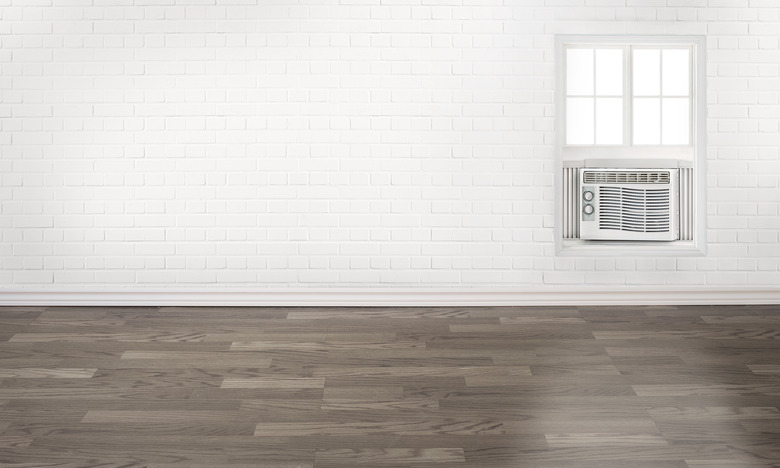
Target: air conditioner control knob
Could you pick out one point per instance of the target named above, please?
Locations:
(588, 209)
(587, 195)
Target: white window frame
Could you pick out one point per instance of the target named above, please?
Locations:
(627, 96)
(626, 88)
(692, 92)
(695, 151)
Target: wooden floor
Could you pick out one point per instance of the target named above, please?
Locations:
(638, 387)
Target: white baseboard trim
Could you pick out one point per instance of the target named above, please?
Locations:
(387, 297)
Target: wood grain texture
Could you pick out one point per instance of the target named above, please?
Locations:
(47, 373)
(468, 387)
(585, 439)
(386, 457)
(273, 382)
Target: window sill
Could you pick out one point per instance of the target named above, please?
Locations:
(583, 248)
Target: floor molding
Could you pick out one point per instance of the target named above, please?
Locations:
(386, 297)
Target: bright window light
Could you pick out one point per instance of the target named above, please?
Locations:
(676, 81)
(579, 121)
(579, 72)
(647, 121)
(609, 121)
(647, 72)
(609, 72)
(675, 121)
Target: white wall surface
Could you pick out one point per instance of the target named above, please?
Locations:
(345, 144)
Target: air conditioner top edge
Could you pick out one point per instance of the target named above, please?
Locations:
(636, 163)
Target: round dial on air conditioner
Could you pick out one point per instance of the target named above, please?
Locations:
(587, 195)
(588, 209)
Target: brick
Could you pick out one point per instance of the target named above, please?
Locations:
(238, 144)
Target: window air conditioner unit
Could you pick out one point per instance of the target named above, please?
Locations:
(629, 204)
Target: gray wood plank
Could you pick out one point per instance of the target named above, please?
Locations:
(466, 387)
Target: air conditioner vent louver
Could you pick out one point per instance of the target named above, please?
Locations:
(626, 177)
(634, 210)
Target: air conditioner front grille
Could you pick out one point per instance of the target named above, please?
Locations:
(634, 209)
(626, 177)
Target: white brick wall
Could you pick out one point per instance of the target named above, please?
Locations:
(360, 143)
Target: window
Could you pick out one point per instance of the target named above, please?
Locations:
(661, 90)
(594, 96)
(628, 95)
(632, 104)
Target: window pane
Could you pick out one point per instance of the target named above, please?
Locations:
(675, 72)
(609, 72)
(647, 121)
(647, 72)
(579, 121)
(609, 121)
(676, 121)
(579, 72)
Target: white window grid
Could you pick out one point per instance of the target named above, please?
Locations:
(628, 94)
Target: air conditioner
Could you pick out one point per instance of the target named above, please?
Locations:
(628, 204)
